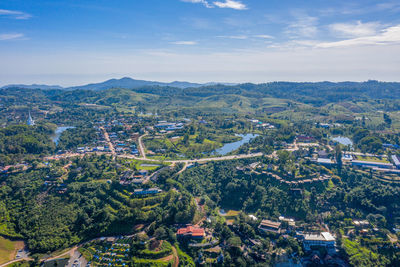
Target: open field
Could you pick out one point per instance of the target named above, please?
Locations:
(8, 249)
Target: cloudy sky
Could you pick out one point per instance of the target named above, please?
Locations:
(70, 42)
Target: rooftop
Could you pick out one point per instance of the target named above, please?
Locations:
(191, 230)
(324, 236)
(270, 224)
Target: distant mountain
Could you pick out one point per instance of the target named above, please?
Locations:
(33, 86)
(126, 82)
(130, 83)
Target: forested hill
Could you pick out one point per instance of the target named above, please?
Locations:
(287, 90)
(246, 96)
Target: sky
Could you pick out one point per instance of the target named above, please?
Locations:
(73, 42)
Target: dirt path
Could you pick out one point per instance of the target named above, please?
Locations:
(14, 261)
(141, 146)
(183, 169)
(176, 258)
(69, 252)
(107, 137)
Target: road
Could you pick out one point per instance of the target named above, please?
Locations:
(14, 261)
(76, 258)
(141, 146)
(110, 144)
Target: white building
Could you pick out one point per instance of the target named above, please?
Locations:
(324, 239)
(30, 121)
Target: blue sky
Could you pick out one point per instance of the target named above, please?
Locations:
(69, 42)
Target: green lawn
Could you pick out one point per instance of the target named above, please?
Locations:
(373, 159)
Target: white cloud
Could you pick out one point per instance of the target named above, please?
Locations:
(231, 4)
(234, 4)
(357, 29)
(204, 2)
(10, 36)
(184, 42)
(387, 36)
(238, 37)
(303, 26)
(15, 14)
(264, 36)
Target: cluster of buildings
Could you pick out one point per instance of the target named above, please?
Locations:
(310, 241)
(131, 177)
(260, 124)
(379, 165)
(164, 126)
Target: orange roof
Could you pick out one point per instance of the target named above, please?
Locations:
(190, 230)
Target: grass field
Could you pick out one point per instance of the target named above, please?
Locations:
(373, 159)
(8, 249)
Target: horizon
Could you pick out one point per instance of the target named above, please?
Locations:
(181, 81)
(231, 41)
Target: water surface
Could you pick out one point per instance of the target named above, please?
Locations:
(228, 148)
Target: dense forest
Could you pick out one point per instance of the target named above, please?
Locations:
(53, 215)
(22, 142)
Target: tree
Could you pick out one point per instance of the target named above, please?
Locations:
(338, 156)
(387, 120)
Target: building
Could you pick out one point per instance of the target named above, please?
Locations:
(270, 226)
(324, 239)
(150, 191)
(304, 139)
(324, 161)
(30, 121)
(191, 232)
(391, 146)
(372, 164)
(396, 161)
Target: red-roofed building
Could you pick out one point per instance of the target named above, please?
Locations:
(191, 232)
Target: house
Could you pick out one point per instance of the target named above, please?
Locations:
(191, 232)
(324, 239)
(150, 191)
(291, 224)
(323, 154)
(324, 161)
(270, 226)
(305, 139)
(347, 157)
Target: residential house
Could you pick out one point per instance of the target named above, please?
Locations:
(270, 226)
(191, 232)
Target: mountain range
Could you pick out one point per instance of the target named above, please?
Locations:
(125, 82)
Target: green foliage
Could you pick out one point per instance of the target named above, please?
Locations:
(49, 220)
(75, 137)
(19, 142)
(360, 256)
